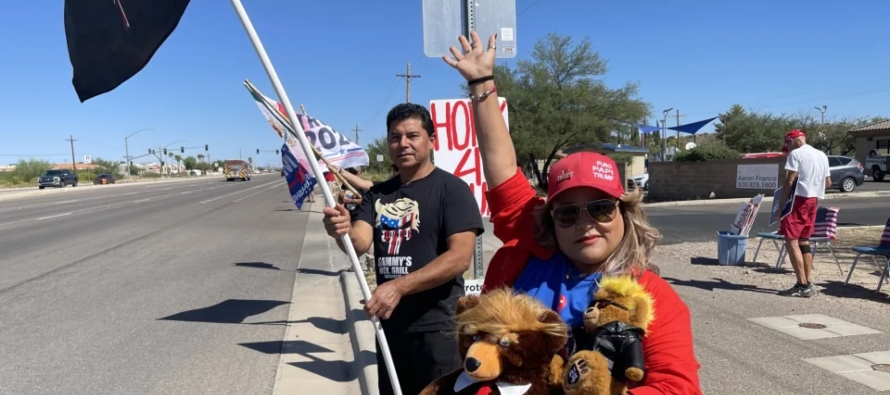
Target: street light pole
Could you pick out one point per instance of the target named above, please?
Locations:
(127, 150)
(822, 127)
(664, 140)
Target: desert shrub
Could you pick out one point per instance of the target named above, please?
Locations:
(706, 152)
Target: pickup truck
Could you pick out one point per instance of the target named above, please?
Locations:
(57, 179)
(876, 165)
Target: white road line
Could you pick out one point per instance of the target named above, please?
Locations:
(141, 200)
(67, 201)
(129, 193)
(186, 192)
(53, 216)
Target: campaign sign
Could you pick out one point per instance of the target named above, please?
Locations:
(473, 286)
(300, 181)
(777, 196)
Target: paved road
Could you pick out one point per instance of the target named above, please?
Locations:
(155, 289)
(681, 224)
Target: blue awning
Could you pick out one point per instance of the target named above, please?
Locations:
(646, 129)
(692, 128)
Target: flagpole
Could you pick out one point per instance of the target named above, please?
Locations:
(328, 196)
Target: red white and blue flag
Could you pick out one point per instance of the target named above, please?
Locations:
(826, 222)
(300, 181)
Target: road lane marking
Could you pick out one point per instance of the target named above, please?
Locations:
(141, 200)
(53, 216)
(68, 201)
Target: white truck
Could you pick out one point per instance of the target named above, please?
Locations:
(876, 165)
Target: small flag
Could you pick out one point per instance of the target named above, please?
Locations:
(300, 181)
(110, 41)
(331, 144)
(826, 222)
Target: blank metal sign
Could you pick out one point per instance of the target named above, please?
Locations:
(445, 20)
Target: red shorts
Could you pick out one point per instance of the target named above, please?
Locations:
(801, 222)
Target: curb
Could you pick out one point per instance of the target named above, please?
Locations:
(833, 196)
(362, 335)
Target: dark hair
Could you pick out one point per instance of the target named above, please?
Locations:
(405, 111)
(393, 168)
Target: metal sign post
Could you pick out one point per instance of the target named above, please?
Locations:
(478, 272)
(443, 20)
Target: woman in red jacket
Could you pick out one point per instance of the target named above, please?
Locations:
(556, 249)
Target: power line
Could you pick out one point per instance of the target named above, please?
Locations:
(21, 155)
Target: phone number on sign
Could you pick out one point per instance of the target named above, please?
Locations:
(756, 185)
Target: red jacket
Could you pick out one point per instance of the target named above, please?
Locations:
(671, 367)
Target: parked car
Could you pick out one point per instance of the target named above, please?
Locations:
(846, 172)
(638, 181)
(877, 165)
(57, 179)
(103, 179)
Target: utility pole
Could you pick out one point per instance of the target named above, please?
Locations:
(408, 76)
(71, 140)
(356, 134)
(678, 125)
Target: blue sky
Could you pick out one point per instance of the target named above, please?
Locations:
(340, 58)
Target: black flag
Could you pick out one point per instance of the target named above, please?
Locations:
(109, 41)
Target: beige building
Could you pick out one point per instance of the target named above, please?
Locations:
(875, 137)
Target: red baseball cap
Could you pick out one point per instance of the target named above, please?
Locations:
(584, 169)
(791, 136)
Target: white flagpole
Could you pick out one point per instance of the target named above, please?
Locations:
(328, 196)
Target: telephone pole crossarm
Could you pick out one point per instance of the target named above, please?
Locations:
(407, 76)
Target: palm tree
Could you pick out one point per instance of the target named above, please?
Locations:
(201, 163)
(178, 159)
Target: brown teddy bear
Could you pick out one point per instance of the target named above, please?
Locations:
(609, 349)
(507, 343)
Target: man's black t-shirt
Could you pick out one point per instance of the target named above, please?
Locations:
(411, 226)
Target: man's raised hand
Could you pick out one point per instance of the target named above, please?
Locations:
(475, 62)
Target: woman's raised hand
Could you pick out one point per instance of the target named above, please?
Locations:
(474, 62)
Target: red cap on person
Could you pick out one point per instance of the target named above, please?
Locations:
(585, 169)
(791, 136)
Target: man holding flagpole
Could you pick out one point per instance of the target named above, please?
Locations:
(422, 226)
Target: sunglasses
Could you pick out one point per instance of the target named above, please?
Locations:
(603, 303)
(598, 210)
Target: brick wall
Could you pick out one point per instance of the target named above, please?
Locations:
(696, 180)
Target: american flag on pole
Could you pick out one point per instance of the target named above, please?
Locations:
(826, 222)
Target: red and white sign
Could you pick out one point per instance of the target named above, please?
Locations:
(456, 149)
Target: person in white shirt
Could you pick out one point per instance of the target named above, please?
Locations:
(808, 168)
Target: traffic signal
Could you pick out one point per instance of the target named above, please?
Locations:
(257, 151)
(182, 150)
(206, 148)
(131, 163)
(165, 151)
(276, 152)
(149, 150)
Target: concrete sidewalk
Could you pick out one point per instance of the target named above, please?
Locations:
(317, 355)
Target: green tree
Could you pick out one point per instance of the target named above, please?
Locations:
(27, 170)
(556, 101)
(190, 162)
(379, 147)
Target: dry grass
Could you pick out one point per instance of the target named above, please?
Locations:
(828, 278)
